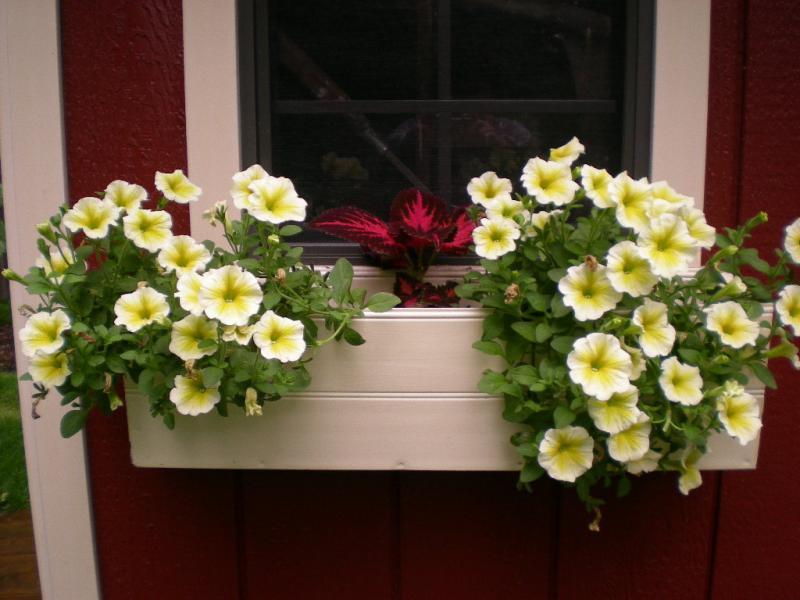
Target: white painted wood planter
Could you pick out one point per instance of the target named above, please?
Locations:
(404, 400)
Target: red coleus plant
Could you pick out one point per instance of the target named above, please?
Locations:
(421, 226)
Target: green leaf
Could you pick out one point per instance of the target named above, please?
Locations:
(524, 374)
(492, 383)
(557, 306)
(341, 278)
(556, 274)
(169, 420)
(623, 487)
(493, 325)
(690, 356)
(206, 343)
(530, 472)
(211, 376)
(488, 347)
(543, 332)
(761, 371)
(562, 416)
(73, 421)
(525, 329)
(381, 302)
(352, 337)
(271, 299)
(562, 344)
(290, 230)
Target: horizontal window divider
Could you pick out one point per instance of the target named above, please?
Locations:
(537, 106)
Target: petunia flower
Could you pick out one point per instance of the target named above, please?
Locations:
(588, 291)
(488, 188)
(235, 333)
(278, 337)
(629, 271)
(549, 182)
(617, 413)
(183, 255)
(92, 217)
(124, 195)
(176, 187)
(663, 194)
(495, 237)
(788, 307)
(631, 443)
(740, 415)
(148, 229)
(58, 263)
(274, 200)
(188, 292)
(666, 243)
(596, 184)
(50, 370)
(568, 153)
(188, 333)
(43, 332)
(191, 397)
(566, 453)
(600, 366)
(646, 464)
(240, 191)
(703, 234)
(791, 241)
(505, 209)
(140, 308)
(681, 383)
(657, 336)
(230, 294)
(251, 406)
(730, 322)
(690, 477)
(632, 199)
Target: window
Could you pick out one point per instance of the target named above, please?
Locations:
(356, 99)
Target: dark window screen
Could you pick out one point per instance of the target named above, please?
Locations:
(355, 100)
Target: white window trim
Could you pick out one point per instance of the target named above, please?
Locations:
(34, 185)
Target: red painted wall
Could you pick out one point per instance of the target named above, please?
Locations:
(229, 535)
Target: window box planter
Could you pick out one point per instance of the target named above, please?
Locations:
(404, 400)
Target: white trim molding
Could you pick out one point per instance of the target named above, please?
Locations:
(34, 184)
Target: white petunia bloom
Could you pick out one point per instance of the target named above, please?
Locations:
(188, 293)
(58, 263)
(631, 443)
(240, 192)
(681, 383)
(176, 187)
(140, 308)
(274, 200)
(187, 335)
(596, 183)
(588, 291)
(632, 199)
(536, 223)
(230, 294)
(664, 194)
(791, 241)
(240, 335)
(704, 235)
(50, 370)
(568, 153)
(647, 464)
(43, 332)
(740, 415)
(666, 243)
(91, 216)
(191, 397)
(505, 209)
(690, 478)
(617, 413)
(566, 453)
(279, 337)
(183, 255)
(788, 307)
(658, 336)
(495, 237)
(638, 363)
(600, 366)
(730, 322)
(148, 229)
(488, 188)
(549, 182)
(126, 196)
(629, 271)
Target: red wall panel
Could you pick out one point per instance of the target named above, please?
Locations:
(160, 534)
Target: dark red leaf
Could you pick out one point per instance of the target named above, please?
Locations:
(440, 295)
(460, 238)
(422, 216)
(405, 286)
(356, 225)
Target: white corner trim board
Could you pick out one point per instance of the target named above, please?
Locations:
(34, 185)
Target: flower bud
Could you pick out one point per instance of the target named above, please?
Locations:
(721, 359)
(12, 275)
(55, 220)
(274, 239)
(251, 406)
(46, 231)
(785, 349)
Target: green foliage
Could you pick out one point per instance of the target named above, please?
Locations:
(13, 479)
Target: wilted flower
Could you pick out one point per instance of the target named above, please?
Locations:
(599, 365)
(176, 187)
(588, 292)
(140, 308)
(730, 322)
(681, 383)
(279, 337)
(191, 397)
(566, 453)
(92, 217)
(488, 188)
(43, 332)
(549, 182)
(251, 406)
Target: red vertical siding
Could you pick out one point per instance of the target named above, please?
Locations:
(160, 534)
